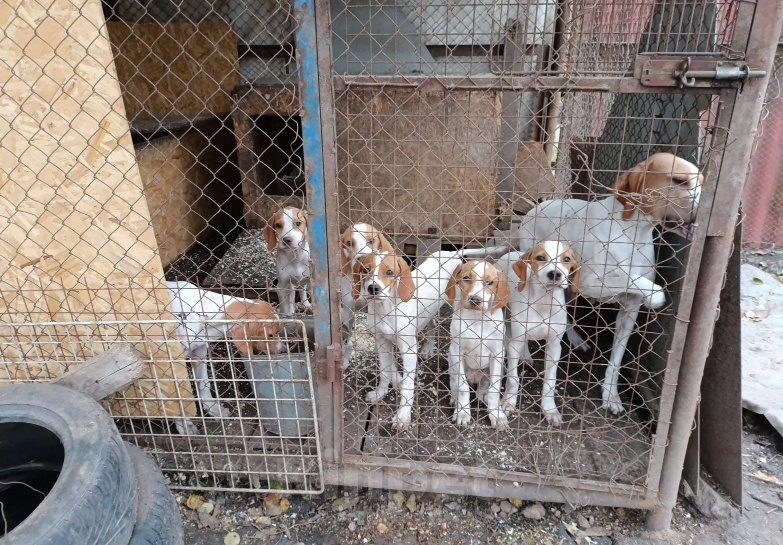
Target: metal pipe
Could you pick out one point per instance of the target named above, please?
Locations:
(558, 50)
(764, 33)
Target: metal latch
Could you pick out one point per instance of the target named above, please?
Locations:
(690, 72)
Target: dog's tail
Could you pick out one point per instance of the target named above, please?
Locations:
(489, 251)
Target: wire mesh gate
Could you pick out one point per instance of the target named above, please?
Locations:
(198, 155)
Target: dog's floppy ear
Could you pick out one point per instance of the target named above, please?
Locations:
(270, 234)
(520, 268)
(405, 287)
(356, 280)
(383, 243)
(628, 186)
(574, 272)
(501, 297)
(451, 287)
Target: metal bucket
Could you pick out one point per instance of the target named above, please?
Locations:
(284, 393)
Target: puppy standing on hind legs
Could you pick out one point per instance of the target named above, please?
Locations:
(537, 312)
(288, 233)
(478, 292)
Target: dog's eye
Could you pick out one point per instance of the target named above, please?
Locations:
(540, 258)
(680, 181)
(389, 272)
(349, 243)
(490, 282)
(566, 260)
(298, 223)
(466, 279)
(279, 225)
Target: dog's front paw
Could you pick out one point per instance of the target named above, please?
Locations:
(656, 298)
(461, 416)
(576, 340)
(374, 396)
(216, 410)
(427, 349)
(612, 403)
(498, 419)
(553, 417)
(187, 427)
(402, 419)
(508, 406)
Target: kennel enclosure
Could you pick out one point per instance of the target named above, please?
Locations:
(148, 142)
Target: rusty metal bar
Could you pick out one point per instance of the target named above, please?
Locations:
(450, 479)
(625, 84)
(558, 50)
(763, 35)
(330, 393)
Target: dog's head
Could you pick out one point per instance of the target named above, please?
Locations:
(254, 337)
(665, 188)
(360, 239)
(553, 263)
(479, 286)
(381, 275)
(287, 230)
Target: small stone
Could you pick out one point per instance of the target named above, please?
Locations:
(452, 506)
(360, 517)
(382, 528)
(590, 519)
(495, 508)
(231, 538)
(411, 503)
(620, 512)
(515, 502)
(507, 508)
(263, 521)
(285, 504)
(399, 498)
(558, 513)
(352, 526)
(534, 512)
(206, 507)
(582, 522)
(563, 536)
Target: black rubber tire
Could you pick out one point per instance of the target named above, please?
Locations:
(158, 521)
(93, 501)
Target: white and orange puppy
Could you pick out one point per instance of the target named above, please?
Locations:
(205, 317)
(357, 240)
(288, 233)
(537, 312)
(400, 303)
(478, 292)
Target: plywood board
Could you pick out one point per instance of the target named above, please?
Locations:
(76, 243)
(419, 163)
(176, 177)
(175, 69)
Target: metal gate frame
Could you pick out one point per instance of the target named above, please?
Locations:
(756, 32)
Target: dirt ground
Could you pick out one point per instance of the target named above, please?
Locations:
(381, 517)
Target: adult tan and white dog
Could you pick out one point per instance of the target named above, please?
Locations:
(613, 240)
(287, 232)
(205, 316)
(357, 240)
(478, 292)
(400, 303)
(537, 312)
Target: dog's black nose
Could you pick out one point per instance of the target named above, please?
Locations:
(475, 300)
(554, 275)
(373, 289)
(288, 241)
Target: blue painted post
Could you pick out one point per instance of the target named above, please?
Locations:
(313, 157)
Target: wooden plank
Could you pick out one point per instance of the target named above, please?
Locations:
(76, 242)
(418, 162)
(180, 69)
(106, 373)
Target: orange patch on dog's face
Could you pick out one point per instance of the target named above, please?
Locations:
(374, 242)
(391, 271)
(466, 276)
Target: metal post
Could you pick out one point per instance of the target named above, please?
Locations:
(763, 36)
(307, 60)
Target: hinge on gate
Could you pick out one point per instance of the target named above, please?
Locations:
(334, 356)
(692, 72)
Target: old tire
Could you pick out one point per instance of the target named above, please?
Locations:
(93, 500)
(158, 521)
